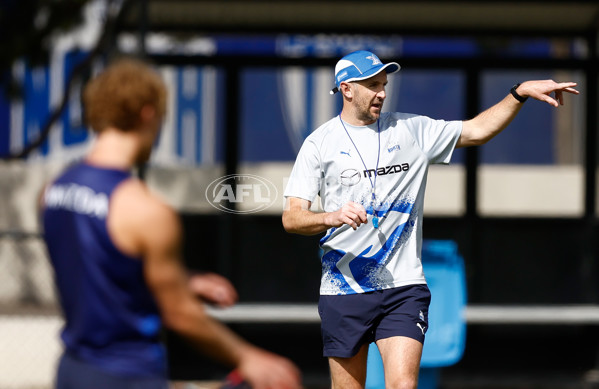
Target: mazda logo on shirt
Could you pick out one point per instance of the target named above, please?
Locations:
(350, 177)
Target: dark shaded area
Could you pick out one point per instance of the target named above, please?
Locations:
(26, 27)
(516, 261)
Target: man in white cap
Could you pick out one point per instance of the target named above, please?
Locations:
(370, 169)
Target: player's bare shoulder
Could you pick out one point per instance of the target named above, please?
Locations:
(139, 218)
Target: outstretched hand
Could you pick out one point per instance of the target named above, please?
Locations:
(542, 89)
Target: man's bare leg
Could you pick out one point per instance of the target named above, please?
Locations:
(401, 360)
(349, 373)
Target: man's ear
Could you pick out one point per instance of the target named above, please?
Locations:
(346, 90)
(147, 113)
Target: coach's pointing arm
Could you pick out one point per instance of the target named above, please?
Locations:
(491, 122)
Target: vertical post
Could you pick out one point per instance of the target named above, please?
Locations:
(472, 153)
(589, 270)
(142, 27)
(227, 221)
(472, 252)
(591, 129)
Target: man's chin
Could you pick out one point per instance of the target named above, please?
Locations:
(376, 112)
(370, 116)
(375, 115)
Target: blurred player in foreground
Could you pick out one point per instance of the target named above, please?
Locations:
(116, 252)
(369, 169)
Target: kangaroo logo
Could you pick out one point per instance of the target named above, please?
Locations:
(374, 59)
(421, 326)
(394, 148)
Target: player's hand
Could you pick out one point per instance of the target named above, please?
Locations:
(352, 214)
(265, 370)
(542, 90)
(213, 289)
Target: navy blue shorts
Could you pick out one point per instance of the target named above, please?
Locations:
(76, 374)
(350, 321)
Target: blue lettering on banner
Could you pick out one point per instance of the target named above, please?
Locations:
(193, 134)
(245, 45)
(74, 130)
(337, 45)
(35, 105)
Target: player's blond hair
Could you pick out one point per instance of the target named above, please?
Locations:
(116, 96)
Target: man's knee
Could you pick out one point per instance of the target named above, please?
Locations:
(402, 383)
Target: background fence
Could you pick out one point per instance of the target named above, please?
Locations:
(29, 317)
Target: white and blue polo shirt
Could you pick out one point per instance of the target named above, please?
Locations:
(340, 170)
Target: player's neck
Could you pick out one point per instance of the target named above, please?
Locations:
(114, 149)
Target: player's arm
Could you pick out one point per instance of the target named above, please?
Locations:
(299, 219)
(154, 231)
(492, 121)
(143, 226)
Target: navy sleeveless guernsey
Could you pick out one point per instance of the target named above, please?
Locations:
(112, 320)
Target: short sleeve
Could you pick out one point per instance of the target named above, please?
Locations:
(436, 138)
(304, 181)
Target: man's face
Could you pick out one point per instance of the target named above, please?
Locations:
(368, 97)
